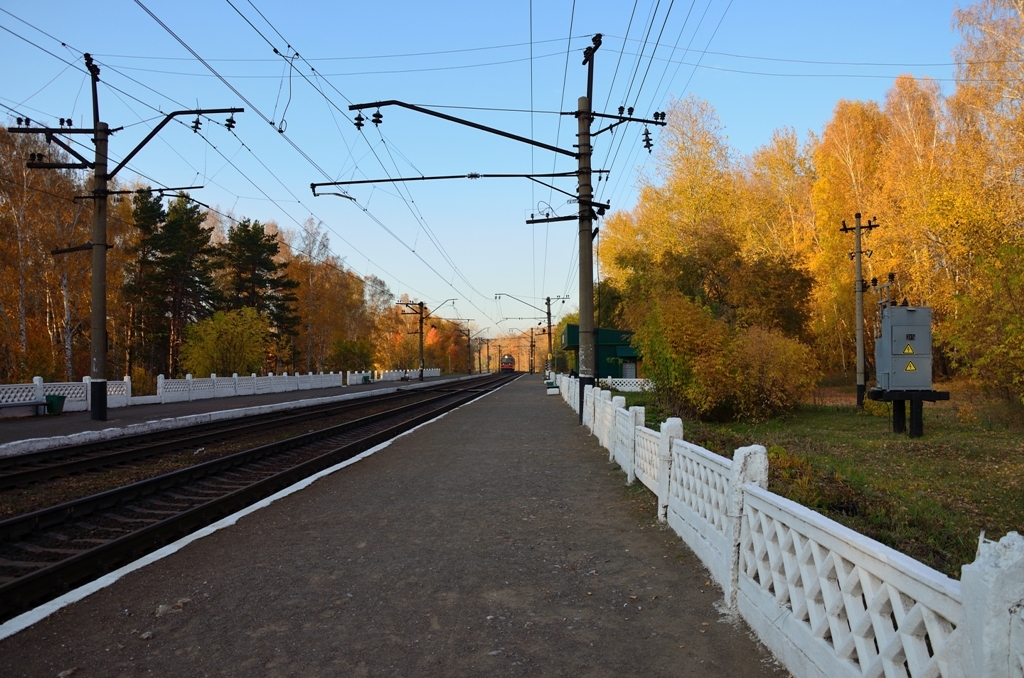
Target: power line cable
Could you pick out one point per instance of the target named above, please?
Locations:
(179, 122)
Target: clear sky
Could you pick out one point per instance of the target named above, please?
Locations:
(762, 65)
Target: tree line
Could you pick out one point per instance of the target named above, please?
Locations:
(190, 290)
(735, 276)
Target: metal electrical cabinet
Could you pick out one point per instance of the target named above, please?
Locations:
(903, 349)
(903, 360)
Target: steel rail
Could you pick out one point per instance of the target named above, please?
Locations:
(19, 470)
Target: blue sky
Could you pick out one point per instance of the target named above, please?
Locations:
(761, 65)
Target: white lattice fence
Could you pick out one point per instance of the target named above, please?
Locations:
(847, 601)
(621, 439)
(224, 387)
(72, 390)
(628, 385)
(645, 457)
(76, 394)
(174, 390)
(202, 389)
(698, 498)
(829, 602)
(17, 393)
(246, 385)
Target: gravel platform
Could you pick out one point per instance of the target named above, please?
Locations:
(495, 541)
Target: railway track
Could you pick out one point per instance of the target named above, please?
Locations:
(24, 469)
(50, 551)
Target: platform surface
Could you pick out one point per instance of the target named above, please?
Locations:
(496, 540)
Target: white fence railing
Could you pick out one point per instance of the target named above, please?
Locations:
(828, 601)
(626, 385)
(119, 393)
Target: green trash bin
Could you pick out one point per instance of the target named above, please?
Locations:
(55, 404)
(366, 379)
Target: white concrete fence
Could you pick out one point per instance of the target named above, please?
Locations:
(627, 385)
(405, 375)
(119, 393)
(828, 601)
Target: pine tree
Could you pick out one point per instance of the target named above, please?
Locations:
(254, 278)
(184, 272)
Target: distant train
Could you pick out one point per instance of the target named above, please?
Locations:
(508, 363)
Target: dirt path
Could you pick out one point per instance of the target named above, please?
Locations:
(496, 541)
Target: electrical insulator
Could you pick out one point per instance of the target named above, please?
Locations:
(20, 121)
(359, 120)
(230, 123)
(377, 118)
(647, 140)
(629, 111)
(622, 109)
(62, 122)
(197, 124)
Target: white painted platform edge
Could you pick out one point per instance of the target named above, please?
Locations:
(27, 619)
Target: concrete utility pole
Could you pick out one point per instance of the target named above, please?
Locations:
(586, 282)
(533, 350)
(584, 196)
(417, 309)
(98, 245)
(860, 285)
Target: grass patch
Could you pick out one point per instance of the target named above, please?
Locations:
(927, 497)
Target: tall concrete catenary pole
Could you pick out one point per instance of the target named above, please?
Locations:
(98, 318)
(586, 196)
(549, 363)
(421, 339)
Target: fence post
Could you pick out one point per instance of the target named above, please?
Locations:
(588, 407)
(611, 430)
(88, 392)
(213, 378)
(188, 384)
(636, 418)
(127, 390)
(234, 379)
(992, 589)
(160, 387)
(749, 465)
(38, 383)
(671, 429)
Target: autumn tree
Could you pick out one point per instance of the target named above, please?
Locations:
(227, 342)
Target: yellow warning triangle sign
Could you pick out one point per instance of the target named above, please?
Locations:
(910, 366)
(909, 350)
